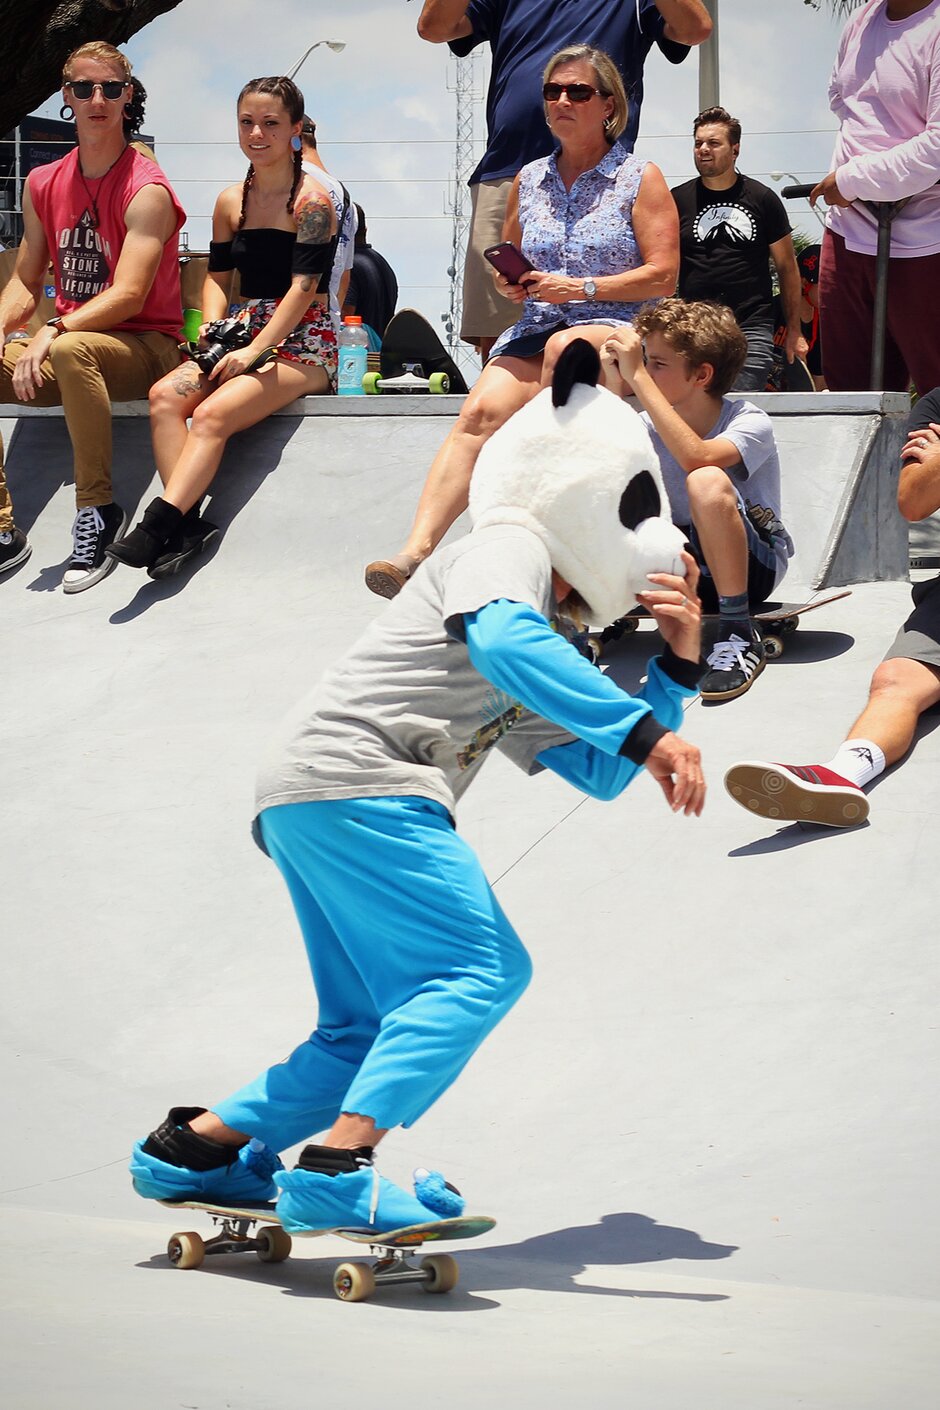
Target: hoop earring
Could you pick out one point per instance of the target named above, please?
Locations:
(66, 112)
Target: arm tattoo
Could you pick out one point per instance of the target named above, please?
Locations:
(313, 221)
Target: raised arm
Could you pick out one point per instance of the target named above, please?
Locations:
(687, 21)
(441, 21)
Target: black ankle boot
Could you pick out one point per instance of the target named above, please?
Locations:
(142, 546)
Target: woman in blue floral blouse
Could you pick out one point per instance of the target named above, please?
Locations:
(601, 230)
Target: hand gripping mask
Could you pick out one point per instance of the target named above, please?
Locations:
(577, 468)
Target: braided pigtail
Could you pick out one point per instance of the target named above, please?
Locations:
(298, 177)
(246, 187)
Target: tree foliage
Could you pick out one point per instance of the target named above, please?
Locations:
(39, 35)
(840, 8)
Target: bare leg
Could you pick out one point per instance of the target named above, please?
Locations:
(172, 401)
(349, 1131)
(594, 333)
(720, 528)
(234, 406)
(901, 690)
(503, 387)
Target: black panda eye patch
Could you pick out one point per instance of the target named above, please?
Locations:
(639, 501)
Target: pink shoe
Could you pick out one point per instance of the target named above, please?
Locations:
(797, 793)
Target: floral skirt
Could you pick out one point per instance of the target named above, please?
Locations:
(312, 342)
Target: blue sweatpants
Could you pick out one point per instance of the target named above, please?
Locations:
(413, 961)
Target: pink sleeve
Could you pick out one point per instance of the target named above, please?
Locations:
(907, 169)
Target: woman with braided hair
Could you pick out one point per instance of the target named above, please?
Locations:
(278, 229)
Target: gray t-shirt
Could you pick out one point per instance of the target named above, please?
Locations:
(405, 712)
(756, 476)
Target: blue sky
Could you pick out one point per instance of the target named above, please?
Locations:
(386, 119)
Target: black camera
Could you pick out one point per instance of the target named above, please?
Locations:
(221, 336)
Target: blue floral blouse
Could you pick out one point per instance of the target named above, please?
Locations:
(585, 232)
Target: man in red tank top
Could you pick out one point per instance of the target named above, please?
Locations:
(108, 221)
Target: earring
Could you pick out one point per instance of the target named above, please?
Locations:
(66, 112)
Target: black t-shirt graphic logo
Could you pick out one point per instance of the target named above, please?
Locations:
(83, 262)
(732, 221)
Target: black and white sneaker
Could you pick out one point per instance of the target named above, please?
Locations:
(15, 548)
(94, 528)
(733, 667)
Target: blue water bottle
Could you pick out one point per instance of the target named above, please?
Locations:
(353, 349)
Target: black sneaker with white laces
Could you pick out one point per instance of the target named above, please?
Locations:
(733, 667)
(94, 528)
(15, 548)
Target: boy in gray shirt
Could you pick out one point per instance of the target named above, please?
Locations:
(413, 960)
(719, 462)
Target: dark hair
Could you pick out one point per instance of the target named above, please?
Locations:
(701, 332)
(292, 99)
(719, 115)
(360, 225)
(134, 110)
(308, 131)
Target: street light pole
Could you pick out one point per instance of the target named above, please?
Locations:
(708, 63)
(336, 45)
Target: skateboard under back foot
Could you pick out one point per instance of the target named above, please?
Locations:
(413, 359)
(257, 1228)
(777, 621)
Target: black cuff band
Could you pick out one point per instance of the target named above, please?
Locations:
(679, 669)
(643, 737)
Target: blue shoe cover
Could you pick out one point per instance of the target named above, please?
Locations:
(362, 1199)
(440, 1198)
(246, 1181)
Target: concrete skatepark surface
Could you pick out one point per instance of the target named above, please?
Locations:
(707, 1131)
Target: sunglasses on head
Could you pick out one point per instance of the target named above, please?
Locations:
(83, 88)
(577, 92)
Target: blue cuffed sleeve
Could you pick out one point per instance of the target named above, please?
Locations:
(512, 645)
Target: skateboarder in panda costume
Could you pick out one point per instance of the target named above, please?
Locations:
(413, 960)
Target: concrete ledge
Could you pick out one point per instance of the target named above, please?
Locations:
(839, 458)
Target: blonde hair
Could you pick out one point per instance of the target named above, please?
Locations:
(608, 81)
(701, 332)
(104, 54)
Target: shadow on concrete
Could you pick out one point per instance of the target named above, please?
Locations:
(545, 1263)
(257, 452)
(39, 464)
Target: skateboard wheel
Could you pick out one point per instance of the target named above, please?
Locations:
(439, 383)
(773, 647)
(274, 1244)
(186, 1250)
(353, 1282)
(442, 1272)
(371, 383)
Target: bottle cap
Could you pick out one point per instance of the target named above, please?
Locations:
(352, 318)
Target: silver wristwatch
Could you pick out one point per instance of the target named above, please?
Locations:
(590, 290)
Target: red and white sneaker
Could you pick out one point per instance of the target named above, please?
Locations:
(797, 793)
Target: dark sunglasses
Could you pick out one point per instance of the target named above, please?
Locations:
(83, 88)
(577, 92)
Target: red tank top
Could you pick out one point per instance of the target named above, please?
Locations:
(85, 258)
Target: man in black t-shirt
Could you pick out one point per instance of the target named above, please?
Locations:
(730, 228)
(373, 288)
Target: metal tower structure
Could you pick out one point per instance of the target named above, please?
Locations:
(459, 207)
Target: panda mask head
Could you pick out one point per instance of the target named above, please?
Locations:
(577, 468)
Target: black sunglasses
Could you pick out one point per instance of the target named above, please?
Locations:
(83, 88)
(577, 92)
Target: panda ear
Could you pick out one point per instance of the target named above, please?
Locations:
(580, 362)
(639, 501)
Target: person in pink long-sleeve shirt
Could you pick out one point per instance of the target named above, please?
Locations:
(885, 91)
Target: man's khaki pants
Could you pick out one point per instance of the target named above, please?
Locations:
(83, 374)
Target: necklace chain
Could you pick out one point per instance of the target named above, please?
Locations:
(95, 218)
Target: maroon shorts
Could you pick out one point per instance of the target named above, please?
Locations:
(846, 305)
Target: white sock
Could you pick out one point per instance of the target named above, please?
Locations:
(858, 760)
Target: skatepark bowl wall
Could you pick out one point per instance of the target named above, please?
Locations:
(707, 1131)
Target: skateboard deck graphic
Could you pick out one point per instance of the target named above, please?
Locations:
(778, 620)
(352, 1282)
(413, 359)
